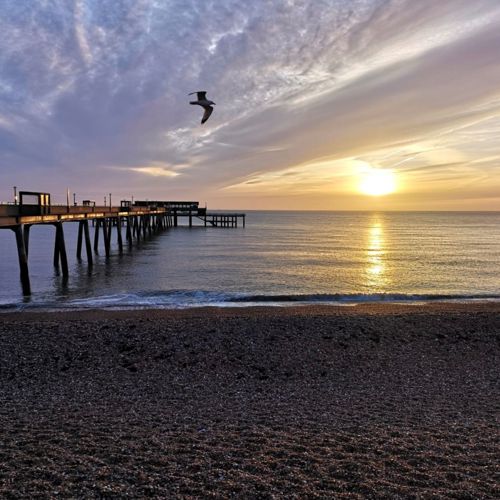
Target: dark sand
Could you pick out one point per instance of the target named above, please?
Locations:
(327, 402)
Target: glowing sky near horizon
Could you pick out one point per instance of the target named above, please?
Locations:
(310, 95)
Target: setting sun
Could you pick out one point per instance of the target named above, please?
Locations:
(377, 182)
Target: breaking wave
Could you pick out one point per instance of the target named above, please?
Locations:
(182, 299)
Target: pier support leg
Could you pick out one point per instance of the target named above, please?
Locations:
(60, 250)
(26, 235)
(119, 233)
(111, 222)
(129, 231)
(96, 234)
(23, 259)
(105, 233)
(56, 249)
(79, 241)
(138, 227)
(88, 246)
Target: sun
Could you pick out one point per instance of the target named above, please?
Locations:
(377, 182)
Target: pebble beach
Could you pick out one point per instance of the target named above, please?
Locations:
(371, 401)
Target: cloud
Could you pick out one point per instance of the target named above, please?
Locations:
(155, 171)
(87, 85)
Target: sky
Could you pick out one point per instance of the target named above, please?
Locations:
(311, 98)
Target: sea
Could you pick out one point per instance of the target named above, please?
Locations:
(280, 258)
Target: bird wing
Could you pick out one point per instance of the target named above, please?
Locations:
(206, 115)
(200, 94)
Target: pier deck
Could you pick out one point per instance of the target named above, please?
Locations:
(12, 215)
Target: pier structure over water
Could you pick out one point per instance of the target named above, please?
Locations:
(141, 220)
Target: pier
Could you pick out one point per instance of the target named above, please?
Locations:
(140, 220)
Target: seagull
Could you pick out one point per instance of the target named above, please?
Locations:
(205, 103)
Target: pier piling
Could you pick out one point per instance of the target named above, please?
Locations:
(119, 234)
(128, 234)
(23, 259)
(26, 235)
(60, 250)
(105, 233)
(79, 241)
(97, 226)
(88, 245)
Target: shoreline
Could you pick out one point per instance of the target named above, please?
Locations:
(264, 402)
(279, 310)
(191, 300)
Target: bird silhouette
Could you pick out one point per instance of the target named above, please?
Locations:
(205, 103)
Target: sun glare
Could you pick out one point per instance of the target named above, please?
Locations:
(377, 182)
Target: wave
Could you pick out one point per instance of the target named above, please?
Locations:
(181, 299)
(363, 298)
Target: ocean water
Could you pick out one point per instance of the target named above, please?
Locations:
(279, 258)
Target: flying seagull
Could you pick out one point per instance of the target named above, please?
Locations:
(205, 103)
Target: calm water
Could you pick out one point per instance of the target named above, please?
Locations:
(279, 257)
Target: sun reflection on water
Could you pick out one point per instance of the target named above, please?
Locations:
(375, 253)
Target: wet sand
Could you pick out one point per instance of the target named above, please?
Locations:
(301, 402)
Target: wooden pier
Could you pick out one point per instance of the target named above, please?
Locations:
(141, 220)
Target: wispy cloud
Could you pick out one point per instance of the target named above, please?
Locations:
(298, 84)
(155, 171)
